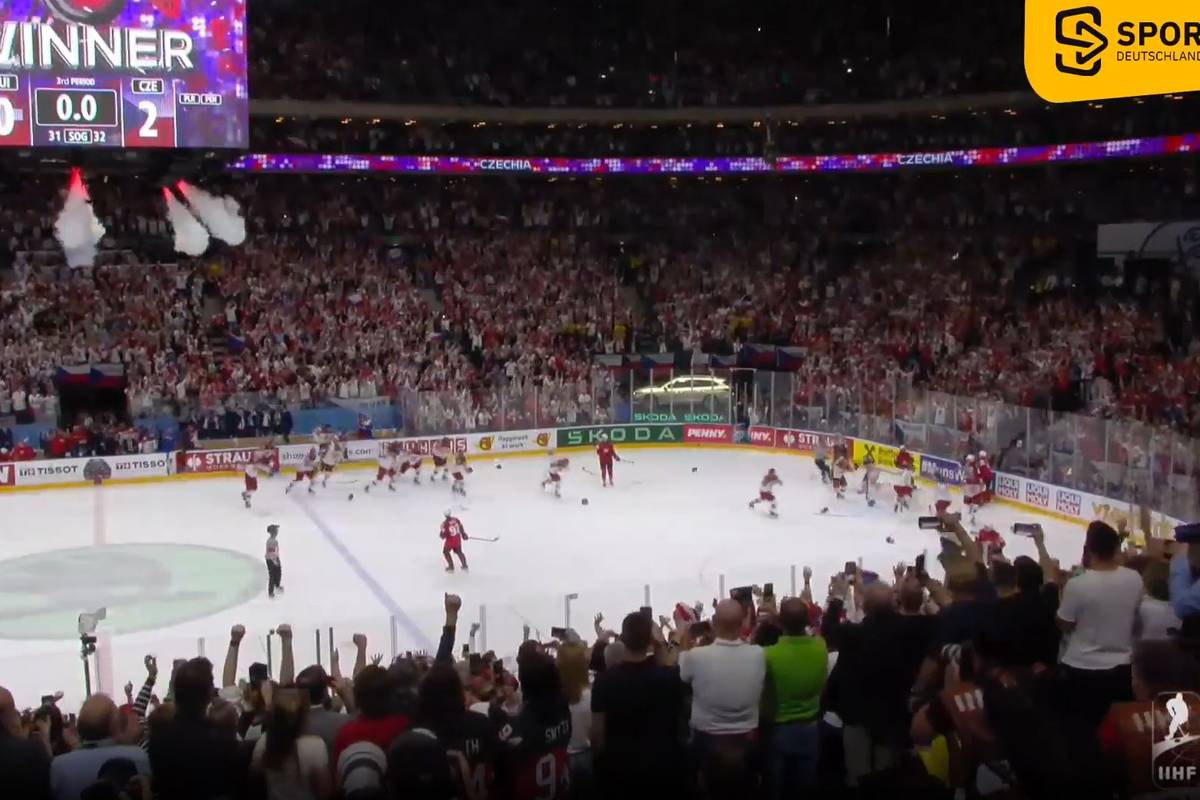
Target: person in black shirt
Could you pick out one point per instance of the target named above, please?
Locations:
(533, 744)
(637, 707)
(440, 709)
(24, 764)
(190, 757)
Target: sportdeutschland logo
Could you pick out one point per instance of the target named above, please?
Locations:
(1079, 29)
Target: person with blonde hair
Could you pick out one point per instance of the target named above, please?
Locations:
(573, 660)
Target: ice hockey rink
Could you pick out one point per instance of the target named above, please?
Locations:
(177, 563)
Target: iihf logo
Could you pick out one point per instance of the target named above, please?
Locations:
(1175, 758)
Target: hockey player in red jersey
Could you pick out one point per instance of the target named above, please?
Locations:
(766, 491)
(973, 490)
(453, 535)
(259, 465)
(554, 475)
(441, 457)
(908, 481)
(460, 473)
(306, 471)
(986, 476)
(990, 541)
(607, 454)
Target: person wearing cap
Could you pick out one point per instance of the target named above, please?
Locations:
(274, 565)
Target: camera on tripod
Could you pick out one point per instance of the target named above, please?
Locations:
(88, 621)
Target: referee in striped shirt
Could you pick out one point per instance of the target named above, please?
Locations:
(274, 566)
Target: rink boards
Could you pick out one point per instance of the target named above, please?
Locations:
(1063, 503)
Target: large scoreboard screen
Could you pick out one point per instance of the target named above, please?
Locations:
(123, 73)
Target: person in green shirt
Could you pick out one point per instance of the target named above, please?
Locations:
(796, 672)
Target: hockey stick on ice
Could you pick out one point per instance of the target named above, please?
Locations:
(483, 539)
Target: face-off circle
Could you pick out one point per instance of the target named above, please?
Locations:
(86, 12)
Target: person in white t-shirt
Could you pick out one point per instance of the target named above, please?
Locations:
(727, 682)
(1098, 612)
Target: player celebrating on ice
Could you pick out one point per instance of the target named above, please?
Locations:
(453, 535)
(330, 458)
(766, 491)
(607, 454)
(306, 470)
(554, 475)
(990, 542)
(441, 455)
(259, 465)
(904, 490)
(389, 458)
(904, 459)
(986, 476)
(870, 479)
(412, 462)
(941, 500)
(973, 491)
(459, 473)
(837, 475)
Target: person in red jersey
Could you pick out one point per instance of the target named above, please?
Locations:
(554, 475)
(260, 465)
(459, 473)
(990, 541)
(986, 476)
(904, 459)
(973, 490)
(607, 454)
(306, 471)
(453, 534)
(766, 491)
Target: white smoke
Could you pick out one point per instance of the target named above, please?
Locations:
(220, 214)
(77, 228)
(191, 238)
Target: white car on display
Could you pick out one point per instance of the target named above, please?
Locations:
(692, 388)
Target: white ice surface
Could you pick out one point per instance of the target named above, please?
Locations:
(663, 525)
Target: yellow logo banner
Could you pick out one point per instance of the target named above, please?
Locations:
(1112, 48)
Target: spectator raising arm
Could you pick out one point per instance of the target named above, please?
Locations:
(360, 653)
(445, 651)
(229, 671)
(287, 658)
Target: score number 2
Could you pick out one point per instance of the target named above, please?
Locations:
(148, 131)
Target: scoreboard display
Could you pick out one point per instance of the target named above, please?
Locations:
(123, 73)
